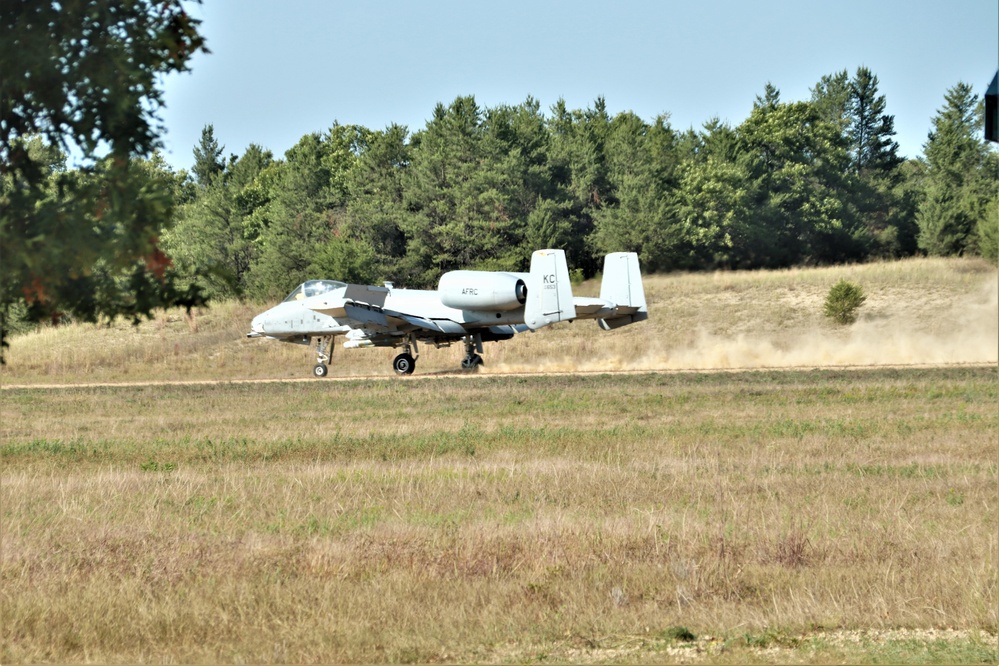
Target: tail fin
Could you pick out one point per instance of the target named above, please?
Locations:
(549, 294)
(622, 286)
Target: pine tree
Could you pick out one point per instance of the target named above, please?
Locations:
(642, 170)
(307, 208)
(957, 191)
(770, 98)
(831, 97)
(208, 162)
(871, 129)
(875, 160)
(447, 195)
(799, 187)
(376, 211)
(215, 234)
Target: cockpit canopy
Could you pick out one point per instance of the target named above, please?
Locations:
(314, 288)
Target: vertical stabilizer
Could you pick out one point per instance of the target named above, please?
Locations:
(622, 286)
(549, 294)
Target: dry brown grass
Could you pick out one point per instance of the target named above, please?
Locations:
(498, 519)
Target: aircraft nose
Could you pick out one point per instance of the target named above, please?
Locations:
(257, 324)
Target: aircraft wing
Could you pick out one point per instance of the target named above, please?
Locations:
(365, 315)
(366, 294)
(362, 306)
(362, 303)
(434, 325)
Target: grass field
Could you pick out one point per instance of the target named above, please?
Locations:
(777, 515)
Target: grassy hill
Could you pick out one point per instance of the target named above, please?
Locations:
(917, 311)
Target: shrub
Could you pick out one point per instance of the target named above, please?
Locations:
(842, 302)
(679, 634)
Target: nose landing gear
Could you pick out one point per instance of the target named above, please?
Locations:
(322, 356)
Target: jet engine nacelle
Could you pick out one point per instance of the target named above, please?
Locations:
(482, 290)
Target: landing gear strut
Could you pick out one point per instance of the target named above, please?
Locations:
(473, 347)
(322, 357)
(405, 363)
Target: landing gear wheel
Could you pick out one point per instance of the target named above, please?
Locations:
(471, 362)
(473, 344)
(404, 364)
(320, 370)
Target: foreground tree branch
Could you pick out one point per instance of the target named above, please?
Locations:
(82, 77)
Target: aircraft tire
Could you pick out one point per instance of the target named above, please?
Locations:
(471, 363)
(404, 364)
(320, 370)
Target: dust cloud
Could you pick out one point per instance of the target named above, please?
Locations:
(965, 331)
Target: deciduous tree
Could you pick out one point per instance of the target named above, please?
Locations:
(799, 186)
(84, 76)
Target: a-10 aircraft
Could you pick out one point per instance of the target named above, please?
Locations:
(468, 306)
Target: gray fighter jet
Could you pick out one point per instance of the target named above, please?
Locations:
(471, 307)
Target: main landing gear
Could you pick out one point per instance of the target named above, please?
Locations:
(405, 363)
(473, 347)
(322, 356)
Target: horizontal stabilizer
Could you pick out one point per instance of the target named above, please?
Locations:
(618, 322)
(592, 307)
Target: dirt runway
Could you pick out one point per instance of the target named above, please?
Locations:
(467, 376)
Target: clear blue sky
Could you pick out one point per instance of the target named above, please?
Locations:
(279, 70)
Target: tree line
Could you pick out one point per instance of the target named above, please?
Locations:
(797, 183)
(808, 182)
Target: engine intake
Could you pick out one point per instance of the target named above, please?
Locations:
(482, 290)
